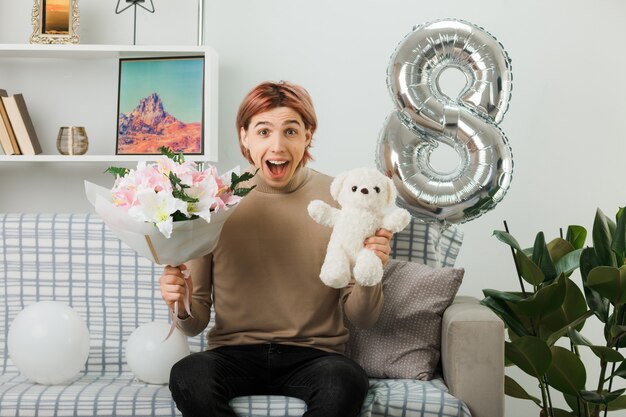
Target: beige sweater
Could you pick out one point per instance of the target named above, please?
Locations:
(263, 277)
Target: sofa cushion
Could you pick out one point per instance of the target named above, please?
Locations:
(110, 394)
(406, 340)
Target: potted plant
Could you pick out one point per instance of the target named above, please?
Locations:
(545, 318)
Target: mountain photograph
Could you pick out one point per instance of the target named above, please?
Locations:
(149, 126)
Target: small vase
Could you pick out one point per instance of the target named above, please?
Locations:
(72, 140)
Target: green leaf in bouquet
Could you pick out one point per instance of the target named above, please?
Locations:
(598, 304)
(179, 158)
(530, 354)
(178, 189)
(576, 235)
(603, 231)
(235, 180)
(609, 282)
(503, 310)
(528, 270)
(545, 300)
(242, 192)
(513, 389)
(177, 216)
(573, 307)
(118, 171)
(541, 257)
(603, 397)
(567, 373)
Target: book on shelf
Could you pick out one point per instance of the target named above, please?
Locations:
(5, 141)
(22, 124)
(8, 141)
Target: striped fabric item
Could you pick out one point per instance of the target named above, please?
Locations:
(73, 258)
(386, 398)
(427, 243)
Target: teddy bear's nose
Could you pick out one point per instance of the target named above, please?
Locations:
(364, 190)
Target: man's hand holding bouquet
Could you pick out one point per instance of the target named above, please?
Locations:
(170, 210)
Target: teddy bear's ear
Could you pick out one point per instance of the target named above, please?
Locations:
(335, 186)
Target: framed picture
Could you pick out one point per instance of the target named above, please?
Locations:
(160, 103)
(55, 21)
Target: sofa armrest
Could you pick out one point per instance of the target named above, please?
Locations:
(472, 356)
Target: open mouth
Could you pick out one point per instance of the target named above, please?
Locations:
(277, 168)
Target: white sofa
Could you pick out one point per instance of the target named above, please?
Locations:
(74, 258)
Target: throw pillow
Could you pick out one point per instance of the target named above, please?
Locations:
(405, 342)
(427, 243)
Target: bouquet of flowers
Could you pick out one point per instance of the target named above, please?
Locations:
(170, 210)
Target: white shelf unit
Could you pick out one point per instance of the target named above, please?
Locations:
(32, 69)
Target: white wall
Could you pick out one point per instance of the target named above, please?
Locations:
(564, 123)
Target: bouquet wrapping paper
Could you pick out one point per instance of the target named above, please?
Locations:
(169, 211)
(190, 239)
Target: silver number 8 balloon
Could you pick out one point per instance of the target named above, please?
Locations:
(425, 118)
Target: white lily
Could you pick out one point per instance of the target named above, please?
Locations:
(157, 207)
(206, 192)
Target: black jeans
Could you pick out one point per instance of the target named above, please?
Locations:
(329, 383)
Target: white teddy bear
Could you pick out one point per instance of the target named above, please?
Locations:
(364, 195)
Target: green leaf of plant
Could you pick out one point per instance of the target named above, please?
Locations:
(599, 305)
(603, 397)
(558, 248)
(618, 244)
(604, 353)
(620, 371)
(509, 318)
(618, 404)
(541, 257)
(576, 235)
(545, 300)
(566, 373)
(551, 340)
(577, 338)
(575, 404)
(529, 271)
(557, 412)
(573, 307)
(502, 295)
(603, 230)
(568, 262)
(530, 354)
(609, 282)
(607, 354)
(513, 389)
(617, 330)
(507, 238)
